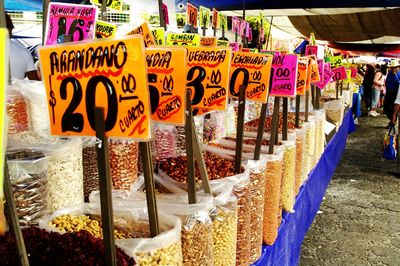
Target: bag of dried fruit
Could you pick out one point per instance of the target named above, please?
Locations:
(131, 229)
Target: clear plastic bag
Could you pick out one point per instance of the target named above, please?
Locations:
(214, 126)
(90, 168)
(124, 158)
(230, 119)
(272, 210)
(180, 147)
(131, 228)
(334, 112)
(165, 141)
(28, 175)
(300, 147)
(18, 112)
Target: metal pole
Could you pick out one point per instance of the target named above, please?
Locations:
(240, 127)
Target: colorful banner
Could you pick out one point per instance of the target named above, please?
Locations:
(111, 74)
(166, 68)
(223, 43)
(4, 67)
(191, 15)
(204, 17)
(145, 31)
(253, 71)
(113, 4)
(236, 25)
(105, 30)
(208, 41)
(77, 21)
(284, 69)
(215, 19)
(339, 73)
(302, 67)
(208, 76)
(159, 35)
(190, 39)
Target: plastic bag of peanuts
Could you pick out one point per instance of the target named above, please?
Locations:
(131, 230)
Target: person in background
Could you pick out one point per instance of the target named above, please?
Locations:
(384, 70)
(367, 85)
(21, 61)
(392, 87)
(377, 88)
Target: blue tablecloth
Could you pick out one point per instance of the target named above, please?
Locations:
(287, 248)
(356, 105)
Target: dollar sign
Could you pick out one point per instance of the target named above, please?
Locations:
(52, 103)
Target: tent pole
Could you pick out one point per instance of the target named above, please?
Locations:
(45, 9)
(269, 31)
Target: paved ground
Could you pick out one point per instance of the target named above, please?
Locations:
(359, 219)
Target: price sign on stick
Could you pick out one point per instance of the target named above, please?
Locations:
(113, 4)
(302, 67)
(234, 46)
(190, 39)
(215, 19)
(328, 74)
(336, 61)
(354, 72)
(253, 71)
(205, 14)
(159, 35)
(284, 69)
(77, 21)
(222, 21)
(208, 76)
(191, 15)
(236, 25)
(339, 73)
(166, 68)
(314, 70)
(144, 30)
(105, 30)
(321, 67)
(208, 41)
(110, 73)
(312, 50)
(222, 43)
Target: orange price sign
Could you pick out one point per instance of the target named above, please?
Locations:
(314, 69)
(215, 18)
(166, 68)
(302, 67)
(208, 76)
(208, 41)
(145, 31)
(252, 70)
(191, 15)
(108, 73)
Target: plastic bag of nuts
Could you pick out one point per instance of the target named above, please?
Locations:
(90, 168)
(131, 231)
(28, 175)
(18, 112)
(272, 196)
(123, 156)
(300, 143)
(180, 147)
(165, 141)
(289, 172)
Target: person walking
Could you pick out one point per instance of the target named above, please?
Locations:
(392, 87)
(367, 86)
(377, 88)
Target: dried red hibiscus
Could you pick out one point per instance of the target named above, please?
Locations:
(46, 248)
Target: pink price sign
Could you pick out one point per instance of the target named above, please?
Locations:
(312, 50)
(77, 21)
(354, 73)
(339, 73)
(284, 76)
(328, 74)
(234, 46)
(321, 67)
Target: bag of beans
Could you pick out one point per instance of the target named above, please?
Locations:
(214, 126)
(131, 229)
(89, 164)
(165, 141)
(28, 175)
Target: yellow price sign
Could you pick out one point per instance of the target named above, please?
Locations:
(208, 41)
(166, 68)
(109, 73)
(105, 30)
(113, 4)
(223, 43)
(205, 14)
(3, 85)
(190, 39)
(252, 70)
(208, 76)
(144, 30)
(159, 35)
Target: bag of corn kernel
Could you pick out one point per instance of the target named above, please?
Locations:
(272, 210)
(320, 132)
(131, 229)
(300, 153)
(306, 153)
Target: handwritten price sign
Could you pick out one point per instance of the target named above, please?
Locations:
(205, 14)
(113, 4)
(321, 65)
(215, 19)
(166, 68)
(223, 43)
(208, 41)
(77, 21)
(110, 74)
(336, 61)
(339, 73)
(191, 15)
(354, 72)
(105, 30)
(314, 69)
(189, 39)
(208, 76)
(159, 35)
(234, 46)
(222, 21)
(284, 69)
(144, 30)
(312, 50)
(328, 74)
(302, 68)
(253, 71)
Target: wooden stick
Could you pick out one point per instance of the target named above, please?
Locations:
(306, 105)
(240, 127)
(147, 162)
(103, 10)
(260, 131)
(274, 129)
(318, 98)
(11, 211)
(107, 216)
(313, 96)
(297, 121)
(285, 119)
(161, 14)
(337, 90)
(189, 151)
(341, 88)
